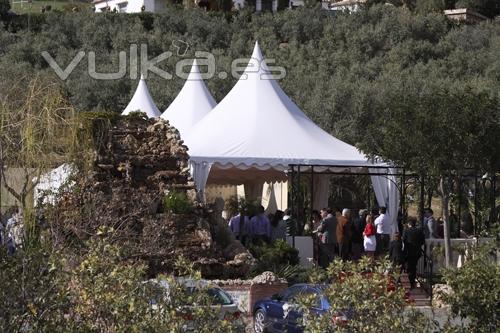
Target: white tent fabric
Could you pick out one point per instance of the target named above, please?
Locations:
(258, 126)
(192, 103)
(253, 190)
(51, 182)
(142, 101)
(321, 193)
(387, 193)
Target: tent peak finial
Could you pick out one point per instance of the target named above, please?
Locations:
(257, 53)
(143, 77)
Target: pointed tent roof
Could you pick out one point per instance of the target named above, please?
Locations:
(142, 101)
(192, 103)
(258, 125)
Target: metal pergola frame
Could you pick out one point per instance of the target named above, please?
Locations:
(295, 173)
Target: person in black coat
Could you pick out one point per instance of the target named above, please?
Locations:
(396, 254)
(413, 240)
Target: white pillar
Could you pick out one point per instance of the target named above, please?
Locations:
(258, 5)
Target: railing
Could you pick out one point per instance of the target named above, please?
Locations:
(425, 273)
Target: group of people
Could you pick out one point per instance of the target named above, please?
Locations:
(11, 230)
(259, 227)
(339, 235)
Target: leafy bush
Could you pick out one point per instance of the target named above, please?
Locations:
(274, 257)
(44, 291)
(366, 294)
(476, 289)
(177, 203)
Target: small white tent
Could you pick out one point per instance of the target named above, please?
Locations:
(142, 101)
(192, 103)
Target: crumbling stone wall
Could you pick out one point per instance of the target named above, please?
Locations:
(135, 161)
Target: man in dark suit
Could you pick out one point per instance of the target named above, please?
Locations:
(328, 243)
(413, 240)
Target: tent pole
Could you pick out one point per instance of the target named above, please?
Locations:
(422, 199)
(292, 191)
(476, 206)
(403, 197)
(459, 208)
(312, 192)
(493, 199)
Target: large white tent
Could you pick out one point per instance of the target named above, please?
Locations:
(192, 103)
(142, 101)
(256, 132)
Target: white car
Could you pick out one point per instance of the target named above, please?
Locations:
(219, 299)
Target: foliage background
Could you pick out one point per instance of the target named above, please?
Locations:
(339, 68)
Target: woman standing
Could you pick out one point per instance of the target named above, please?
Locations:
(369, 240)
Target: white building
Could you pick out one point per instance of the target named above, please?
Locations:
(130, 6)
(350, 6)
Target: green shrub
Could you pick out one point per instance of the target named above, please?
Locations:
(366, 293)
(476, 289)
(177, 203)
(274, 257)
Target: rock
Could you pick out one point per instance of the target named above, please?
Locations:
(233, 249)
(133, 168)
(267, 278)
(438, 290)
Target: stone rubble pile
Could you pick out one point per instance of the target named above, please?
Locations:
(136, 161)
(266, 278)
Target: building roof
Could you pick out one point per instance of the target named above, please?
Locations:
(464, 14)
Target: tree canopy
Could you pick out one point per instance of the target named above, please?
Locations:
(339, 68)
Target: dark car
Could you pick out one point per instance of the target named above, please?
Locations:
(279, 313)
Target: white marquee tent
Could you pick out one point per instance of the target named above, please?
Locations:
(257, 131)
(192, 103)
(142, 101)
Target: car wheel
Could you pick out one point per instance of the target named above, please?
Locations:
(259, 322)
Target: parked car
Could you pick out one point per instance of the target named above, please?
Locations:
(279, 313)
(220, 300)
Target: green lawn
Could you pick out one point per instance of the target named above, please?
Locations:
(36, 6)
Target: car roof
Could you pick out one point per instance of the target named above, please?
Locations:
(319, 287)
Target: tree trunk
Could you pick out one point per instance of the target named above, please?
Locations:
(430, 192)
(445, 195)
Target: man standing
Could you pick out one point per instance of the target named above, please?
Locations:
(383, 235)
(357, 234)
(430, 225)
(344, 233)
(239, 225)
(328, 237)
(261, 227)
(291, 228)
(413, 239)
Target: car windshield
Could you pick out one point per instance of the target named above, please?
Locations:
(216, 295)
(219, 296)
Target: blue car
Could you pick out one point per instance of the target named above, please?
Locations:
(278, 314)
